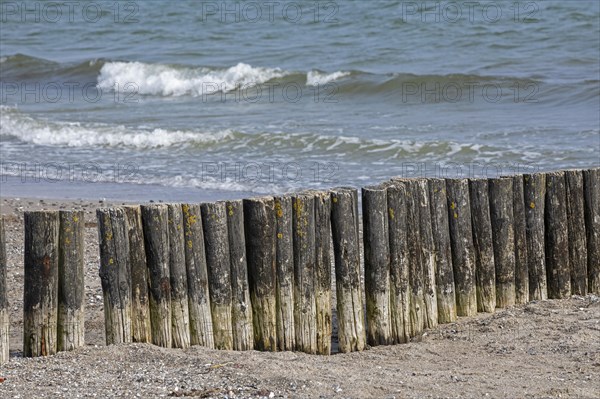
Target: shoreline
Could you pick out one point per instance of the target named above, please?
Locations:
(13, 187)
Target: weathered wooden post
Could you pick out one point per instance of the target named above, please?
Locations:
(557, 237)
(323, 271)
(502, 217)
(485, 274)
(303, 223)
(156, 243)
(71, 296)
(260, 230)
(428, 254)
(576, 227)
(4, 309)
(243, 336)
(520, 228)
(284, 265)
(535, 197)
(377, 265)
(415, 259)
(346, 249)
(463, 250)
(201, 326)
(214, 221)
(141, 330)
(115, 274)
(40, 297)
(592, 227)
(180, 316)
(446, 296)
(399, 267)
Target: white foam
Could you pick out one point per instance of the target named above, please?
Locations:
(315, 78)
(165, 80)
(69, 134)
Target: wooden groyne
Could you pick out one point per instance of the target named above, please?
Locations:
(258, 273)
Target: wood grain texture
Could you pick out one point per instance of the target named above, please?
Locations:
(346, 249)
(180, 315)
(141, 330)
(501, 210)
(115, 274)
(534, 186)
(284, 266)
(446, 295)
(241, 307)
(577, 236)
(71, 295)
(156, 243)
(40, 295)
(260, 230)
(485, 274)
(592, 227)
(201, 326)
(4, 305)
(463, 248)
(216, 242)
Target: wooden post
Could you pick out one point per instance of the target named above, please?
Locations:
(520, 228)
(463, 249)
(180, 316)
(259, 227)
(428, 254)
(557, 237)
(535, 195)
(485, 274)
(303, 222)
(201, 326)
(115, 274)
(501, 209)
(214, 221)
(323, 271)
(592, 227)
(156, 243)
(40, 310)
(446, 295)
(284, 265)
(4, 306)
(576, 227)
(346, 249)
(71, 296)
(243, 336)
(415, 260)
(377, 265)
(399, 267)
(140, 309)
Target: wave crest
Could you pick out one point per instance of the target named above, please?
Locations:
(165, 80)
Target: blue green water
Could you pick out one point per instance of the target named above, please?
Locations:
(220, 99)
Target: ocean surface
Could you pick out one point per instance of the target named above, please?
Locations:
(200, 100)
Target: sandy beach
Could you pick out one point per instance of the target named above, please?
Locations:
(546, 349)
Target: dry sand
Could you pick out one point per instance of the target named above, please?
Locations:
(546, 349)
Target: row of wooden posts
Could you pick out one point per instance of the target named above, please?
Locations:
(257, 273)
